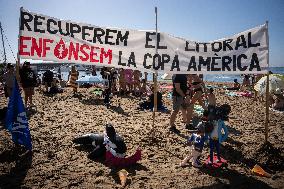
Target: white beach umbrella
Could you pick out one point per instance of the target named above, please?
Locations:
(276, 81)
(90, 79)
(166, 76)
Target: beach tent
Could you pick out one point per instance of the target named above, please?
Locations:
(276, 81)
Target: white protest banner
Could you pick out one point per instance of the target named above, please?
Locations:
(46, 38)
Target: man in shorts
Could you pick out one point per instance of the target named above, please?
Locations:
(180, 99)
(28, 80)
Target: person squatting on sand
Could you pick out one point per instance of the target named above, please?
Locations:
(108, 141)
(180, 99)
(28, 81)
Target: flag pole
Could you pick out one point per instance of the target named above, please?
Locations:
(18, 54)
(155, 74)
(3, 43)
(267, 89)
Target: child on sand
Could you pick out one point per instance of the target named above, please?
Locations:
(196, 141)
(216, 138)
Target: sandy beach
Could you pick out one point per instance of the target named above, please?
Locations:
(57, 163)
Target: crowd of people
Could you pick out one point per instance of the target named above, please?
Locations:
(187, 89)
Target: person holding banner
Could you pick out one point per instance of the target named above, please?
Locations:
(28, 80)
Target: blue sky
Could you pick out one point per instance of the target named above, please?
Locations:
(200, 20)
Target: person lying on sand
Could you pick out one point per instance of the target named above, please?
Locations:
(108, 141)
(236, 86)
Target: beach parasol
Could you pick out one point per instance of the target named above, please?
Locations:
(166, 76)
(90, 79)
(276, 81)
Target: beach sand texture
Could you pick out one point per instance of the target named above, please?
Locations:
(57, 163)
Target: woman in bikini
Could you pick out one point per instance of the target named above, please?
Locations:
(197, 88)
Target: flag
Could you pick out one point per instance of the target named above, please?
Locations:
(16, 119)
